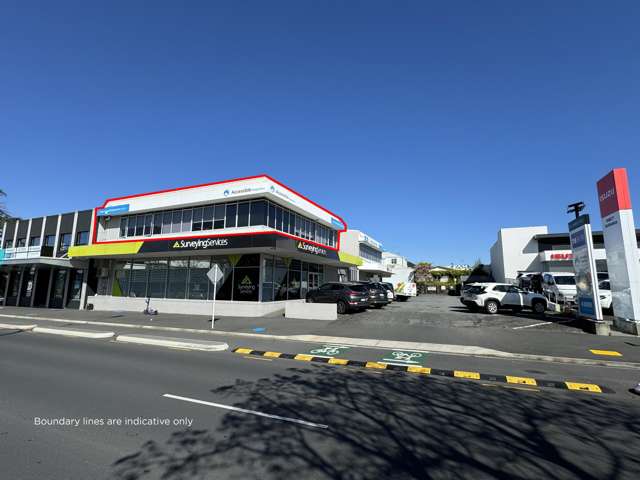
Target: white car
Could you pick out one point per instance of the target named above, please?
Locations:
(493, 296)
(606, 299)
(559, 287)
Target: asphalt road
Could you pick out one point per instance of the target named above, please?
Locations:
(360, 424)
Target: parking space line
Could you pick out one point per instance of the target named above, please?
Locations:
(244, 410)
(611, 353)
(381, 367)
(533, 325)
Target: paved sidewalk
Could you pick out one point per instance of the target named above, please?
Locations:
(461, 340)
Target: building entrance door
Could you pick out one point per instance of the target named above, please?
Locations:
(27, 286)
(42, 287)
(57, 289)
(314, 280)
(4, 279)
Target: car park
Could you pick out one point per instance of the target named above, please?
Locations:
(491, 297)
(347, 296)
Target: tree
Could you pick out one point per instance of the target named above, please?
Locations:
(4, 213)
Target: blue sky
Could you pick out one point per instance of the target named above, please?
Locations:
(428, 125)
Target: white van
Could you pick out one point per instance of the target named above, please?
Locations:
(559, 287)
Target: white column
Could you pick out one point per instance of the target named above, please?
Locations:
(83, 291)
(92, 227)
(33, 288)
(44, 225)
(28, 235)
(55, 244)
(66, 288)
(50, 287)
(15, 233)
(73, 230)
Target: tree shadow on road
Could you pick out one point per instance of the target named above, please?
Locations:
(398, 426)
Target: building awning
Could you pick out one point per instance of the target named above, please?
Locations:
(375, 270)
(54, 262)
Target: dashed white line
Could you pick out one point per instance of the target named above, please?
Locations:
(244, 410)
(534, 325)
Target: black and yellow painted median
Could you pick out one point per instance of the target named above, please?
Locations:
(421, 370)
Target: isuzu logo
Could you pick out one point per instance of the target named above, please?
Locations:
(608, 194)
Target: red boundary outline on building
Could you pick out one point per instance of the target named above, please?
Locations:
(168, 190)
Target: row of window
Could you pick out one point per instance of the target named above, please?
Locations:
(226, 215)
(370, 254)
(82, 238)
(186, 278)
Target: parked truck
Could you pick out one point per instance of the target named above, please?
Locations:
(403, 281)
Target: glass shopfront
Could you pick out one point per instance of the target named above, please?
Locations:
(186, 278)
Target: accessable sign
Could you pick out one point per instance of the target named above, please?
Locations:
(115, 210)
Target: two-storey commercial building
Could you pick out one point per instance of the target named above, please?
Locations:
(369, 250)
(271, 244)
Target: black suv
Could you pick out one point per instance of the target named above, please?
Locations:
(377, 294)
(347, 296)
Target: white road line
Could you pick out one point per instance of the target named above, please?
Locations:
(534, 325)
(243, 410)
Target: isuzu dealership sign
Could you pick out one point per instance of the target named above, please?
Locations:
(621, 246)
(584, 265)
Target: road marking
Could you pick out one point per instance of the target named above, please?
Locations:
(462, 374)
(302, 356)
(329, 350)
(405, 357)
(244, 410)
(534, 325)
(381, 366)
(414, 369)
(522, 380)
(611, 353)
(245, 351)
(272, 354)
(259, 358)
(585, 387)
(337, 361)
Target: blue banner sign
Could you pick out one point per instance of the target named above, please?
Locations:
(1, 255)
(337, 223)
(115, 210)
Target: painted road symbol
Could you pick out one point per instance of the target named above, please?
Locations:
(329, 350)
(404, 357)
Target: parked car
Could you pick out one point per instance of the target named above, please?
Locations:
(391, 295)
(523, 280)
(606, 299)
(493, 296)
(377, 294)
(347, 296)
(559, 287)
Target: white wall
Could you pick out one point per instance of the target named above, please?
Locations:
(515, 250)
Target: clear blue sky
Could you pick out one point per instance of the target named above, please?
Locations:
(428, 125)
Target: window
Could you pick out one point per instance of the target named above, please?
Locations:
(139, 225)
(207, 218)
(198, 280)
(186, 220)
(157, 278)
(176, 221)
(82, 238)
(123, 226)
(258, 212)
(196, 224)
(285, 221)
(9, 243)
(279, 218)
(148, 219)
(34, 241)
(121, 277)
(500, 288)
(225, 285)
(157, 223)
(21, 242)
(232, 210)
(131, 227)
(138, 282)
(166, 222)
(64, 243)
(243, 214)
(245, 284)
(272, 215)
(178, 273)
(312, 233)
(49, 240)
(218, 217)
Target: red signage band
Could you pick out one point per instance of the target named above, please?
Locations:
(613, 192)
(561, 256)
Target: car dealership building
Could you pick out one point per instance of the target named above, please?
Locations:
(270, 243)
(534, 249)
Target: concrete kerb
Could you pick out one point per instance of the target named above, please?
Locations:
(22, 328)
(74, 333)
(364, 343)
(172, 342)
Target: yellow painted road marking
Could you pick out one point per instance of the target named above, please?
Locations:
(585, 387)
(611, 353)
(272, 354)
(415, 369)
(246, 351)
(522, 380)
(302, 356)
(337, 361)
(375, 365)
(462, 374)
(253, 357)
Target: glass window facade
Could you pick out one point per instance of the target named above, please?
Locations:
(370, 254)
(186, 278)
(227, 215)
